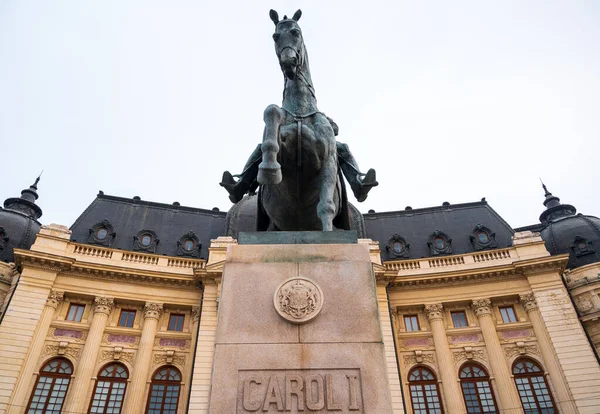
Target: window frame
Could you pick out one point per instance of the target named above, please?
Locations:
(475, 380)
(75, 305)
(112, 381)
(528, 375)
(176, 315)
(452, 313)
(165, 383)
(416, 318)
(54, 376)
(514, 312)
(421, 384)
(123, 311)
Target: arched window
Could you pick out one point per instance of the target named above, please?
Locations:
(532, 386)
(477, 392)
(424, 395)
(164, 392)
(50, 388)
(109, 390)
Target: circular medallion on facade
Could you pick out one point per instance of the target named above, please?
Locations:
(298, 300)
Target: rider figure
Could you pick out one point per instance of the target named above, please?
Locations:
(359, 182)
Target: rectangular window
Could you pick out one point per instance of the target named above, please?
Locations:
(75, 312)
(176, 322)
(508, 314)
(459, 319)
(411, 322)
(126, 319)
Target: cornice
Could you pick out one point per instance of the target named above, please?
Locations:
(41, 260)
(124, 274)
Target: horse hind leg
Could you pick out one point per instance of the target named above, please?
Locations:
(269, 170)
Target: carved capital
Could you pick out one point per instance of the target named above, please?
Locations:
(195, 313)
(103, 304)
(54, 298)
(482, 307)
(528, 301)
(153, 310)
(434, 311)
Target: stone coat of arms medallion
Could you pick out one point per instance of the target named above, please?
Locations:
(298, 300)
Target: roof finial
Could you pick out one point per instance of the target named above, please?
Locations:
(554, 209)
(37, 180)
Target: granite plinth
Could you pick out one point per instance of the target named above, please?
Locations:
(298, 237)
(333, 363)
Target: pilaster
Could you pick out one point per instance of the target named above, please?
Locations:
(450, 384)
(390, 352)
(77, 397)
(137, 389)
(20, 394)
(508, 397)
(562, 397)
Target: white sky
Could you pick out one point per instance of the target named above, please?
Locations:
(449, 101)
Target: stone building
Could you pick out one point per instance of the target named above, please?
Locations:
(118, 312)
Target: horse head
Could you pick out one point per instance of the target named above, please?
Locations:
(289, 44)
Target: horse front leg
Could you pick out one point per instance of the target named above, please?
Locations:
(326, 209)
(269, 170)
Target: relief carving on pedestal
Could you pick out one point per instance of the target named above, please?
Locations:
(298, 300)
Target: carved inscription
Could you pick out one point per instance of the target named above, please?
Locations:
(300, 391)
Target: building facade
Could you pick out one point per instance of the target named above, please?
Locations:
(118, 313)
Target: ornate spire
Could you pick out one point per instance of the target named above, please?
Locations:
(26, 203)
(554, 209)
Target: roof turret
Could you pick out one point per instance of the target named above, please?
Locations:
(554, 209)
(26, 203)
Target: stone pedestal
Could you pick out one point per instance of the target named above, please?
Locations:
(272, 354)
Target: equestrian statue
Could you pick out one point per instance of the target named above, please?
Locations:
(299, 165)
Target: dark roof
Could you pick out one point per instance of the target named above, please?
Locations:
(457, 221)
(18, 222)
(127, 217)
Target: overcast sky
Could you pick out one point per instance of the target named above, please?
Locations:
(448, 101)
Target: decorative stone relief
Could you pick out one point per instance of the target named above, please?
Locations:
(195, 313)
(116, 354)
(434, 311)
(528, 301)
(417, 359)
(122, 339)
(161, 359)
(468, 353)
(298, 300)
(54, 298)
(153, 310)
(103, 304)
(482, 307)
(521, 349)
(172, 343)
(416, 342)
(584, 302)
(62, 348)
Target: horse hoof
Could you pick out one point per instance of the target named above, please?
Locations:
(269, 176)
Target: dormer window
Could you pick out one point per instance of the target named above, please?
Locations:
(439, 243)
(146, 240)
(189, 245)
(582, 246)
(398, 248)
(102, 233)
(483, 238)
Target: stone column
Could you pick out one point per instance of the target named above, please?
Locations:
(143, 359)
(77, 398)
(559, 385)
(447, 370)
(508, 397)
(20, 394)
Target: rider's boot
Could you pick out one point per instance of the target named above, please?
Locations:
(236, 189)
(363, 184)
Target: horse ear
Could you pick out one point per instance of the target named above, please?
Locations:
(274, 16)
(297, 15)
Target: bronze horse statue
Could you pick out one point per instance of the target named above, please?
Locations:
(301, 187)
